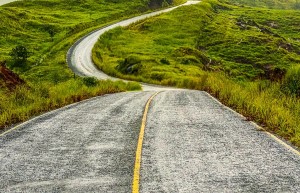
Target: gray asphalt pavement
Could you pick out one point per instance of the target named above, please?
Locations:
(194, 144)
(191, 144)
(87, 147)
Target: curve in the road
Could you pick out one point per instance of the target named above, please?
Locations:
(79, 56)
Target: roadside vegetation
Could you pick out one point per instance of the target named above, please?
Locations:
(249, 58)
(274, 4)
(33, 99)
(34, 39)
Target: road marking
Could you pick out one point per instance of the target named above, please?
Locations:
(138, 155)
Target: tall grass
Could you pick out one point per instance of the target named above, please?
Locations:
(28, 101)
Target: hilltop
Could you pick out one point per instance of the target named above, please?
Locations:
(274, 4)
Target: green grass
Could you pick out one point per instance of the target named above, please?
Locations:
(239, 54)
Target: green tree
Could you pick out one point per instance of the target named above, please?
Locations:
(19, 56)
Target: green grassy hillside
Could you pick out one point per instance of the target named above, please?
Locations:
(244, 43)
(239, 54)
(30, 23)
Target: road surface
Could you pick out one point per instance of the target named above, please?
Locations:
(190, 143)
(3, 2)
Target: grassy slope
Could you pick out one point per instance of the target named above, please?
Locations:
(241, 50)
(27, 23)
(237, 54)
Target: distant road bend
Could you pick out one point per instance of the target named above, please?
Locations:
(158, 140)
(3, 2)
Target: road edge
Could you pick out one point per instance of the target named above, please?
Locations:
(45, 114)
(279, 140)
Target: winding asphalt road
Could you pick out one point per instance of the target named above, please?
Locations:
(79, 55)
(191, 143)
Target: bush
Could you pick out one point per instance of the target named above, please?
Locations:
(90, 81)
(130, 65)
(19, 56)
(291, 82)
(165, 61)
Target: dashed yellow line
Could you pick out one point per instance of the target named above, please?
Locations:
(138, 155)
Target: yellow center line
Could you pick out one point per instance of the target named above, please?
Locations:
(138, 155)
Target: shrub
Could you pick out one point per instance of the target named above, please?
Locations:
(291, 82)
(165, 61)
(19, 56)
(129, 65)
(90, 81)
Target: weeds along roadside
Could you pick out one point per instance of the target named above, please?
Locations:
(167, 50)
(31, 100)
